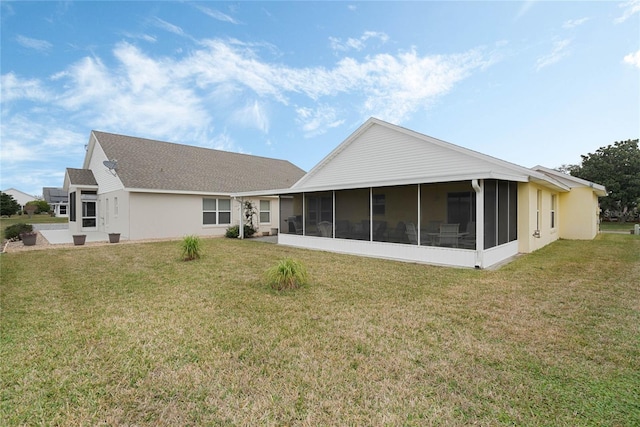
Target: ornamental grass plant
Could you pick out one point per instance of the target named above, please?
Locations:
(286, 274)
(191, 248)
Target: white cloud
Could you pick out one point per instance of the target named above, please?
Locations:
(160, 23)
(15, 88)
(316, 121)
(252, 115)
(573, 23)
(524, 8)
(560, 50)
(356, 44)
(633, 59)
(631, 7)
(177, 99)
(39, 45)
(216, 14)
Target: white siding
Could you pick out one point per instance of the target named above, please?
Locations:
(106, 180)
(381, 153)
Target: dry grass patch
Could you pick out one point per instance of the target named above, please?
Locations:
(129, 334)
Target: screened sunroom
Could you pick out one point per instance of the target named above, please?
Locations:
(441, 217)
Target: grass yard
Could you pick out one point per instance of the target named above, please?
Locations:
(616, 226)
(131, 335)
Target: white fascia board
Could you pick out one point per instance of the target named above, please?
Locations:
(265, 193)
(89, 151)
(600, 190)
(408, 181)
(181, 192)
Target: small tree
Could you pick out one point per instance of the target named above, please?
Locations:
(617, 167)
(30, 208)
(8, 205)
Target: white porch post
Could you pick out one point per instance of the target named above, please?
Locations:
(478, 186)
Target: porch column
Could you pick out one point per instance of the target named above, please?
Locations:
(478, 186)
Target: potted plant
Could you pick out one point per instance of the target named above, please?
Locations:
(29, 238)
(114, 237)
(79, 239)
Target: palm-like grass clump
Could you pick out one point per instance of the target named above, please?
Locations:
(191, 248)
(286, 274)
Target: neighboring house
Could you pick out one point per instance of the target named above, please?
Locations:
(58, 200)
(390, 192)
(20, 197)
(146, 189)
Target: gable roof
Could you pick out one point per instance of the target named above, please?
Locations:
(81, 177)
(382, 154)
(572, 181)
(55, 195)
(164, 166)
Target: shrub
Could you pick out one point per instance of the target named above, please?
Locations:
(287, 274)
(233, 231)
(12, 232)
(191, 248)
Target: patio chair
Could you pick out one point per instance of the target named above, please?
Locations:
(412, 233)
(468, 241)
(449, 235)
(326, 228)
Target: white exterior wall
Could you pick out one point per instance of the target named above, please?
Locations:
(394, 251)
(527, 217)
(155, 216)
(383, 154)
(107, 180)
(265, 227)
(113, 213)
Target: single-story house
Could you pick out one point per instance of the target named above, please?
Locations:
(146, 189)
(20, 196)
(58, 200)
(390, 192)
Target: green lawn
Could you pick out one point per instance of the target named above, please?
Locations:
(35, 219)
(130, 335)
(616, 226)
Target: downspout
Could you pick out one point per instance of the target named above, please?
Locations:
(241, 225)
(478, 188)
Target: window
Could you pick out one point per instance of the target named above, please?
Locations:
(265, 211)
(553, 211)
(216, 211)
(63, 209)
(539, 210)
(72, 204)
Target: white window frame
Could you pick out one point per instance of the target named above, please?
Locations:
(554, 217)
(217, 211)
(265, 211)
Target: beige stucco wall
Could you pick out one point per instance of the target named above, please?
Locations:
(579, 213)
(153, 216)
(527, 217)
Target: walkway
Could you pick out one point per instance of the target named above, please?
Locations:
(59, 234)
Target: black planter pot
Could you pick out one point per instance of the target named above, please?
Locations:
(114, 237)
(79, 239)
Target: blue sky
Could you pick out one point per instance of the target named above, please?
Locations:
(533, 82)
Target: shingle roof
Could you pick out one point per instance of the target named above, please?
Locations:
(54, 195)
(156, 165)
(81, 177)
